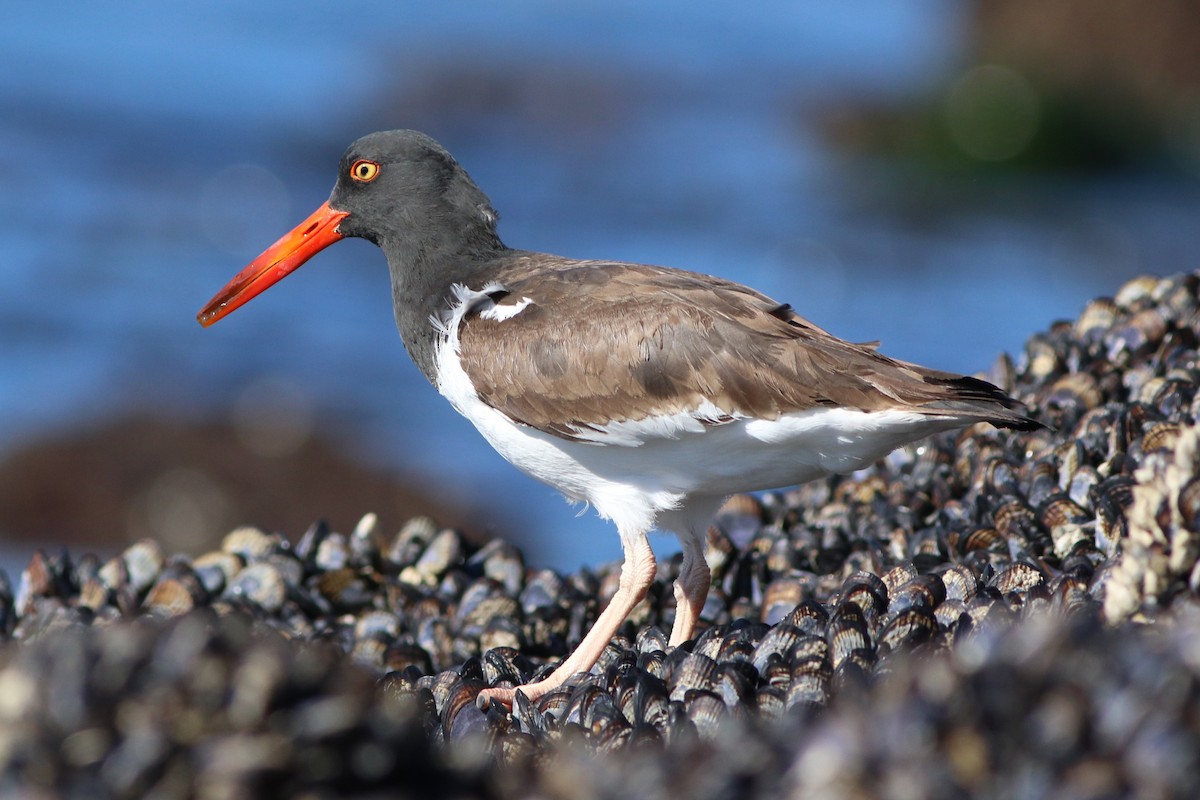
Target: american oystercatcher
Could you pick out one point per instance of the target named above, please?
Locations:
(650, 393)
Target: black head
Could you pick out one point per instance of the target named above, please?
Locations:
(402, 185)
(398, 189)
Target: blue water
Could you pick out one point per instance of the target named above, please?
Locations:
(149, 150)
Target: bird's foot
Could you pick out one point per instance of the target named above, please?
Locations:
(506, 697)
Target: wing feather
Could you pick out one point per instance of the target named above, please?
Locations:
(602, 342)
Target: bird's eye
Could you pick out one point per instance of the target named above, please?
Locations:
(364, 171)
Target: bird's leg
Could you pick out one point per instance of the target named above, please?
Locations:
(691, 588)
(637, 573)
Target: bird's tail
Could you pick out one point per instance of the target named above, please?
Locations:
(974, 398)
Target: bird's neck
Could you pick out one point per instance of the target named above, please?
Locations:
(423, 272)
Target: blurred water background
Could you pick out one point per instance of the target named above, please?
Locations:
(149, 150)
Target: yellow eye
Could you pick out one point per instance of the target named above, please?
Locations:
(364, 171)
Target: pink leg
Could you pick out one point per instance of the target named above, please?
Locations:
(691, 588)
(637, 573)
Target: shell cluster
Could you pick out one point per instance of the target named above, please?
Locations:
(969, 615)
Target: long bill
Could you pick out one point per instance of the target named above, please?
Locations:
(277, 261)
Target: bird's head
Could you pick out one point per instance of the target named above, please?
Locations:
(399, 189)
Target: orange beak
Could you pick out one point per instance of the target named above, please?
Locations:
(280, 259)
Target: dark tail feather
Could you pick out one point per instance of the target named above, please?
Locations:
(972, 397)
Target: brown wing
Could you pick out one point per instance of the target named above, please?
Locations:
(602, 342)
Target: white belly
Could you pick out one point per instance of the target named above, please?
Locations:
(739, 456)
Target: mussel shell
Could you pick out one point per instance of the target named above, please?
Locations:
(346, 589)
(781, 596)
(693, 671)
(260, 583)
(410, 541)
(502, 562)
(1139, 335)
(959, 582)
(502, 632)
(926, 549)
(544, 588)
(401, 655)
(145, 561)
(735, 649)
(740, 518)
(910, 627)
(950, 613)
(1018, 577)
(898, 575)
(444, 550)
(923, 591)
(778, 642)
(650, 639)
(175, 592)
(1161, 436)
(707, 711)
(809, 617)
(771, 702)
(252, 543)
(214, 570)
(1188, 503)
(460, 716)
(847, 634)
(332, 552)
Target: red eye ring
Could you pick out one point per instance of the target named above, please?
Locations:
(364, 171)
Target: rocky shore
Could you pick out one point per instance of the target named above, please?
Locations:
(985, 614)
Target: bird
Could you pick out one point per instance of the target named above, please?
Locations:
(650, 393)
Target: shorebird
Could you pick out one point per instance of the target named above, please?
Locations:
(651, 393)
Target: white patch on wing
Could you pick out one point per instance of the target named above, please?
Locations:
(842, 440)
(500, 312)
(467, 300)
(635, 432)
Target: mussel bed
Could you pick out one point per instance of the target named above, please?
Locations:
(986, 613)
